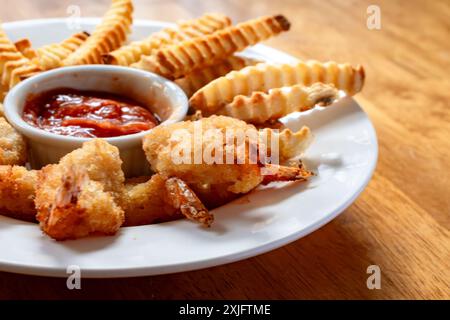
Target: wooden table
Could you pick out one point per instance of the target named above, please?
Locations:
(400, 222)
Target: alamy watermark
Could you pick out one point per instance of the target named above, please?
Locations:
(224, 146)
(74, 278)
(374, 280)
(373, 17)
(73, 21)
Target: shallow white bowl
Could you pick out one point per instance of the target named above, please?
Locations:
(160, 95)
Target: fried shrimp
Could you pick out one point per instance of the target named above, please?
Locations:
(145, 203)
(209, 153)
(12, 145)
(160, 199)
(17, 192)
(82, 194)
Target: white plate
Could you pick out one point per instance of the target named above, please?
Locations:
(343, 154)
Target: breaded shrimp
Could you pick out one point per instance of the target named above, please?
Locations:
(12, 145)
(17, 192)
(82, 194)
(144, 202)
(185, 149)
(161, 199)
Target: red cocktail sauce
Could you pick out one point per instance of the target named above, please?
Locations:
(77, 113)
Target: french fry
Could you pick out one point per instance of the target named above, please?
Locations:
(26, 48)
(290, 144)
(14, 66)
(261, 107)
(51, 56)
(180, 59)
(265, 76)
(109, 35)
(201, 77)
(133, 52)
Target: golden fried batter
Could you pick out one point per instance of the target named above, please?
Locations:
(82, 194)
(12, 145)
(145, 203)
(161, 199)
(17, 191)
(194, 152)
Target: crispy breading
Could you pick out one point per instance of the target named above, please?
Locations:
(145, 202)
(14, 66)
(180, 59)
(109, 35)
(51, 56)
(26, 48)
(261, 107)
(17, 192)
(200, 152)
(132, 53)
(201, 77)
(13, 149)
(159, 199)
(266, 76)
(82, 194)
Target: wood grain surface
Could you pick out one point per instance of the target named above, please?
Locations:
(400, 222)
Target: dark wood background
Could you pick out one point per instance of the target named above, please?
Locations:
(401, 221)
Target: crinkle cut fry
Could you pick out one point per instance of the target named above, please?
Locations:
(131, 54)
(182, 58)
(51, 56)
(261, 107)
(25, 47)
(109, 35)
(17, 192)
(14, 66)
(202, 76)
(290, 144)
(266, 76)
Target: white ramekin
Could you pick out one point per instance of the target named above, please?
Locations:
(162, 96)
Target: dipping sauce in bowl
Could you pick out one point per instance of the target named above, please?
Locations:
(71, 112)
